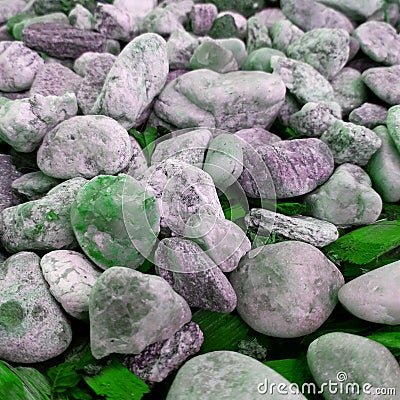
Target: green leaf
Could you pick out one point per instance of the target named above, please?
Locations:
(145, 139)
(63, 377)
(116, 382)
(388, 339)
(232, 210)
(78, 393)
(36, 385)
(291, 208)
(10, 385)
(292, 134)
(11, 22)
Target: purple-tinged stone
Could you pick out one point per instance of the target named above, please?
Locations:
(174, 74)
(159, 359)
(369, 115)
(8, 173)
(62, 41)
(202, 18)
(257, 136)
(193, 274)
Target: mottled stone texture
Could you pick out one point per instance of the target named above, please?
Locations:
(369, 115)
(62, 41)
(158, 360)
(356, 10)
(271, 279)
(202, 18)
(33, 326)
(8, 173)
(129, 311)
(33, 185)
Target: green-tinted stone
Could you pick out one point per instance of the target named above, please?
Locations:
(257, 34)
(260, 60)
(284, 33)
(236, 46)
(115, 221)
(224, 27)
(129, 310)
(393, 125)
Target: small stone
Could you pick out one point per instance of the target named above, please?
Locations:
(221, 239)
(188, 147)
(271, 278)
(356, 10)
(269, 16)
(202, 18)
(224, 27)
(215, 376)
(369, 115)
(80, 17)
(82, 65)
(379, 41)
(283, 34)
(115, 221)
(315, 118)
(240, 22)
(55, 80)
(346, 199)
(129, 311)
(131, 85)
(139, 8)
(8, 173)
(180, 48)
(37, 115)
(85, 146)
(256, 136)
(42, 224)
(384, 82)
(34, 185)
(115, 23)
(70, 277)
(33, 326)
(10, 8)
(62, 41)
(18, 66)
(236, 46)
(224, 160)
(305, 229)
(354, 47)
(351, 143)
(158, 360)
(393, 125)
(193, 275)
(363, 363)
(257, 34)
(260, 60)
(302, 80)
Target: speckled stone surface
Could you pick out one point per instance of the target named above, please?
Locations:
(180, 48)
(8, 173)
(202, 17)
(393, 124)
(369, 115)
(284, 33)
(33, 185)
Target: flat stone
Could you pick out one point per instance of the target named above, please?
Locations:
(271, 278)
(85, 146)
(55, 80)
(205, 98)
(221, 239)
(379, 41)
(257, 34)
(283, 34)
(43, 224)
(359, 360)
(129, 311)
(327, 50)
(314, 231)
(80, 17)
(215, 375)
(393, 125)
(180, 48)
(158, 360)
(70, 277)
(256, 136)
(82, 65)
(131, 85)
(193, 275)
(62, 41)
(351, 143)
(202, 18)
(302, 80)
(115, 221)
(347, 198)
(260, 60)
(369, 115)
(33, 326)
(384, 167)
(8, 173)
(356, 10)
(18, 66)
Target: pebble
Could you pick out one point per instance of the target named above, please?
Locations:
(384, 167)
(347, 198)
(129, 311)
(240, 22)
(193, 275)
(269, 16)
(8, 173)
(115, 221)
(221, 239)
(139, 8)
(356, 10)
(55, 80)
(224, 26)
(83, 64)
(138, 163)
(369, 115)
(80, 17)
(180, 48)
(283, 34)
(85, 146)
(18, 66)
(215, 376)
(131, 85)
(393, 125)
(158, 360)
(257, 34)
(359, 360)
(202, 18)
(205, 98)
(42, 224)
(62, 41)
(302, 80)
(310, 230)
(33, 326)
(351, 143)
(379, 41)
(237, 47)
(37, 115)
(9, 9)
(327, 50)
(256, 136)
(70, 277)
(271, 278)
(260, 60)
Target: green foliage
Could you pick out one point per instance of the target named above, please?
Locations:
(63, 378)
(146, 139)
(11, 22)
(232, 210)
(291, 208)
(292, 134)
(390, 212)
(295, 370)
(390, 339)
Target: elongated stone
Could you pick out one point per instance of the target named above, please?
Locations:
(314, 231)
(131, 85)
(8, 173)
(202, 17)
(256, 136)
(115, 221)
(393, 124)
(271, 278)
(340, 358)
(257, 34)
(193, 275)
(34, 185)
(129, 311)
(33, 326)
(62, 41)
